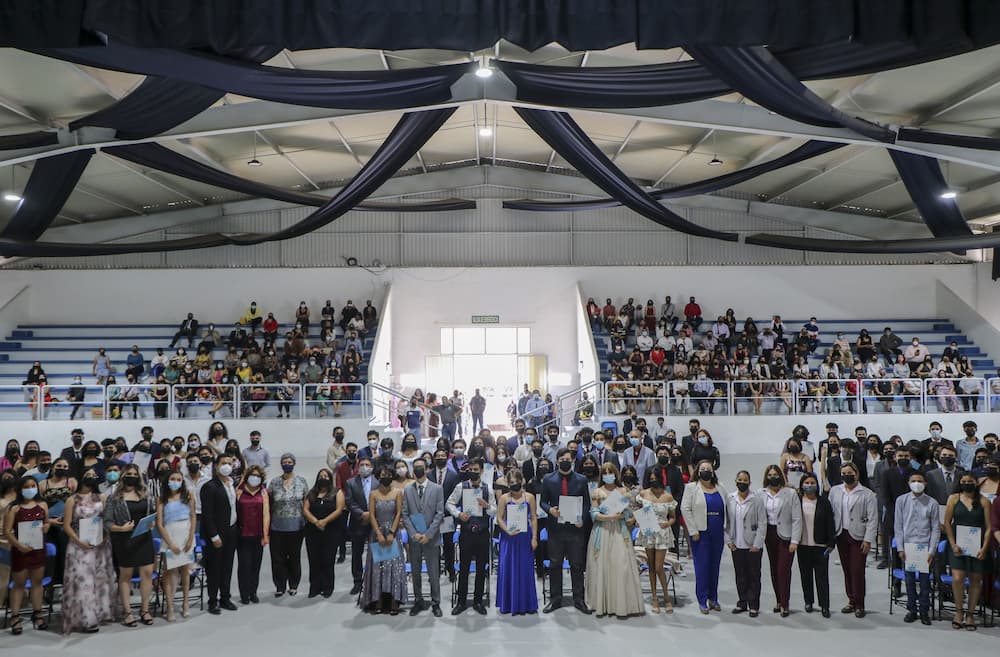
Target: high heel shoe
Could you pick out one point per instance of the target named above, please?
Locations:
(656, 606)
(16, 626)
(38, 621)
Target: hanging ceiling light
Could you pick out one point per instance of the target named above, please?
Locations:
(12, 196)
(484, 71)
(253, 161)
(949, 194)
(486, 131)
(715, 161)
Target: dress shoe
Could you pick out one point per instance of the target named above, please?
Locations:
(582, 607)
(809, 609)
(911, 617)
(479, 608)
(416, 609)
(552, 606)
(859, 613)
(882, 565)
(925, 619)
(777, 608)
(739, 609)
(356, 589)
(214, 609)
(244, 601)
(826, 612)
(848, 609)
(459, 608)
(784, 613)
(436, 610)
(254, 599)
(754, 613)
(228, 605)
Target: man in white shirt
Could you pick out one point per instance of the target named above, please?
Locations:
(917, 523)
(669, 312)
(721, 331)
(195, 476)
(914, 354)
(644, 342)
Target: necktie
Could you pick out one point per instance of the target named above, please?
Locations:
(420, 491)
(947, 477)
(565, 485)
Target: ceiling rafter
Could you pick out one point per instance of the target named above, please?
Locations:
(156, 181)
(281, 153)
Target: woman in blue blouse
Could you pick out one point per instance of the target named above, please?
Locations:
(287, 493)
(704, 510)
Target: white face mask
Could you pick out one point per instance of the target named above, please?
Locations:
(365, 470)
(402, 472)
(254, 480)
(225, 470)
(917, 487)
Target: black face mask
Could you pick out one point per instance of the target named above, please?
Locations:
(663, 460)
(474, 477)
(77, 441)
(590, 470)
(968, 488)
(90, 481)
(992, 471)
(849, 478)
(385, 481)
(323, 484)
(774, 481)
(205, 459)
(60, 472)
(440, 463)
(44, 467)
(565, 466)
(352, 456)
(794, 449)
(742, 486)
(515, 487)
(419, 471)
(409, 445)
(92, 453)
(131, 481)
(970, 431)
(194, 468)
(339, 437)
(542, 471)
(537, 451)
(629, 480)
(947, 461)
(705, 475)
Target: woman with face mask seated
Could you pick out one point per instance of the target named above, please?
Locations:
(253, 515)
(287, 494)
(323, 506)
(612, 583)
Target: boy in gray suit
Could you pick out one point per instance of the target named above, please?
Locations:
(423, 511)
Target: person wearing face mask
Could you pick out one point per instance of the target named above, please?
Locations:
(337, 450)
(101, 367)
(474, 537)
(89, 582)
(638, 455)
(917, 523)
(357, 492)
(784, 529)
(322, 508)
(220, 530)
(657, 543)
(704, 511)
(134, 555)
(611, 589)
(567, 536)
(196, 474)
(8, 494)
(73, 454)
(176, 522)
(745, 533)
(410, 449)
(515, 584)
(989, 485)
(423, 512)
(384, 586)
(817, 542)
(967, 509)
(894, 484)
(54, 491)
(705, 450)
(441, 474)
(855, 515)
(402, 477)
(370, 451)
(793, 462)
(530, 465)
(27, 563)
(936, 440)
(966, 448)
(287, 493)
(253, 515)
(942, 480)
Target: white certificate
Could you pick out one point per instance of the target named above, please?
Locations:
(178, 533)
(969, 539)
(489, 473)
(517, 518)
(917, 558)
(615, 503)
(447, 524)
(647, 520)
(142, 459)
(470, 502)
(91, 530)
(30, 533)
(570, 509)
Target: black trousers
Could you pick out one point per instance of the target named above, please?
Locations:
(747, 567)
(358, 542)
(473, 546)
(341, 524)
(286, 560)
(566, 542)
(814, 565)
(251, 555)
(448, 552)
(321, 548)
(219, 564)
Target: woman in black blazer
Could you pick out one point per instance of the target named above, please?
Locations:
(817, 542)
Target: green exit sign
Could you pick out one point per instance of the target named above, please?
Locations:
(486, 319)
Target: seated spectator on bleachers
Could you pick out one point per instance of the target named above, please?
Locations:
(812, 331)
(609, 313)
(157, 364)
(35, 374)
(951, 351)
(720, 331)
(357, 326)
(181, 356)
(627, 313)
(801, 346)
(270, 327)
(312, 373)
(302, 317)
(369, 315)
(188, 329)
(915, 353)
(668, 311)
(644, 342)
(889, 344)
(943, 391)
(692, 314)
(244, 372)
(210, 339)
(594, 314)
(203, 358)
(971, 389)
(949, 367)
(232, 358)
(347, 313)
(766, 340)
(238, 336)
(864, 347)
(102, 366)
(252, 318)
(135, 364)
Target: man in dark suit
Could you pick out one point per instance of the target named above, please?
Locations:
(895, 482)
(942, 481)
(519, 438)
(567, 540)
(447, 479)
(370, 450)
(529, 467)
(689, 441)
(928, 445)
(188, 329)
(74, 454)
(597, 448)
(221, 534)
(357, 492)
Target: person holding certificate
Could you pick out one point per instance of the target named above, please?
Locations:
(175, 520)
(384, 584)
(517, 517)
(967, 523)
(917, 531)
(472, 505)
(565, 499)
(423, 512)
(613, 586)
(128, 510)
(25, 525)
(89, 579)
(657, 542)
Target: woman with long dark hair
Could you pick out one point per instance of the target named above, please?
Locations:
(27, 562)
(89, 579)
(126, 507)
(322, 507)
(175, 520)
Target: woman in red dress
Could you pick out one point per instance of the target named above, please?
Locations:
(26, 562)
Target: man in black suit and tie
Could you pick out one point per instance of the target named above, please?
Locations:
(447, 479)
(689, 441)
(942, 481)
(188, 329)
(423, 511)
(519, 438)
(529, 467)
(596, 447)
(358, 491)
(221, 534)
(74, 454)
(567, 540)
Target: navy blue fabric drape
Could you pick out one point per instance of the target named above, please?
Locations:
(756, 74)
(161, 158)
(565, 137)
(949, 139)
(918, 245)
(51, 182)
(804, 152)
(28, 140)
(409, 135)
(925, 183)
(393, 89)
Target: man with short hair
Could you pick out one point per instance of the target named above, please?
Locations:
(188, 329)
(477, 406)
(942, 478)
(196, 474)
(668, 311)
(914, 354)
(447, 479)
(895, 483)
(567, 536)
(934, 442)
(336, 451)
(530, 466)
(551, 448)
(692, 313)
(966, 448)
(889, 344)
(255, 454)
(423, 512)
(474, 538)
(917, 523)
(357, 492)
(74, 453)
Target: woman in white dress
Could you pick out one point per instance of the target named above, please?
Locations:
(657, 543)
